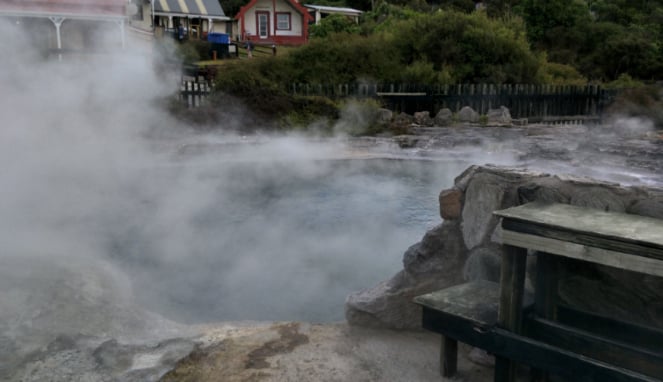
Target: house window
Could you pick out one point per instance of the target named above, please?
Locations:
(283, 21)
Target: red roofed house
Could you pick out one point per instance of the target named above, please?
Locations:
(70, 25)
(283, 22)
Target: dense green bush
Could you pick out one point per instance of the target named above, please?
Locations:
(559, 74)
(640, 101)
(470, 47)
(333, 24)
(601, 38)
(191, 51)
(563, 42)
(344, 58)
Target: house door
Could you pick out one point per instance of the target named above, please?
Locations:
(263, 24)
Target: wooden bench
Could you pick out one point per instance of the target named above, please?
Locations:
(547, 335)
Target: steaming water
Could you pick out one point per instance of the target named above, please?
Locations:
(287, 240)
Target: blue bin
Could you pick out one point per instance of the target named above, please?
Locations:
(218, 38)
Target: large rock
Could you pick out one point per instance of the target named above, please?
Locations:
(422, 118)
(599, 198)
(467, 114)
(444, 117)
(438, 251)
(434, 263)
(500, 116)
(467, 247)
(483, 196)
(383, 116)
(451, 203)
(402, 122)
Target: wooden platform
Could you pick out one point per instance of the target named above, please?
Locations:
(548, 335)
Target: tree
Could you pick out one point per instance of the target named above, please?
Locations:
(231, 7)
(470, 47)
(542, 16)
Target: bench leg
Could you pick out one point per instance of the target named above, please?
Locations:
(509, 316)
(505, 370)
(449, 357)
(538, 375)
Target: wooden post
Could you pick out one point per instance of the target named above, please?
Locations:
(546, 296)
(449, 357)
(509, 316)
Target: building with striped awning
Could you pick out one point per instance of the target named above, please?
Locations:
(69, 25)
(186, 18)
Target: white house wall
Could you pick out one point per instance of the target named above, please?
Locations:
(268, 6)
(146, 21)
(295, 20)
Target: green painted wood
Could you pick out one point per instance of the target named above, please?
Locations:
(512, 290)
(635, 229)
(449, 357)
(537, 354)
(623, 258)
(618, 330)
(546, 291)
(475, 301)
(626, 355)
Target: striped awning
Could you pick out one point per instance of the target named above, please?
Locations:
(202, 8)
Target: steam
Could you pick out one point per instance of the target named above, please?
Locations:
(112, 209)
(109, 205)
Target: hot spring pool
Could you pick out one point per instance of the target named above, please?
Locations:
(277, 240)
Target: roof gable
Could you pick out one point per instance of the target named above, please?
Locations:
(298, 7)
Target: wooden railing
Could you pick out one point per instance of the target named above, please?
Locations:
(536, 103)
(548, 103)
(194, 90)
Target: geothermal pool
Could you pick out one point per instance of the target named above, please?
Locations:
(278, 240)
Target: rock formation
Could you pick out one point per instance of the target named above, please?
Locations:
(466, 247)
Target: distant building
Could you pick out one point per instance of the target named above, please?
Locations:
(184, 19)
(273, 22)
(70, 25)
(320, 11)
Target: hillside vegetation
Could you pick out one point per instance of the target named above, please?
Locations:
(447, 42)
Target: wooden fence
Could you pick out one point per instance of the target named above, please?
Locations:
(534, 102)
(194, 90)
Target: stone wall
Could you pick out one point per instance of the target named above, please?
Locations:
(466, 247)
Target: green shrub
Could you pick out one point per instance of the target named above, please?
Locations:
(559, 74)
(640, 101)
(334, 23)
(624, 81)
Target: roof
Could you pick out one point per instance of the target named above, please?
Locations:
(202, 8)
(328, 9)
(84, 9)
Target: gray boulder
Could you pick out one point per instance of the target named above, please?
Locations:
(501, 116)
(444, 117)
(468, 247)
(422, 118)
(383, 116)
(434, 263)
(467, 114)
(483, 196)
